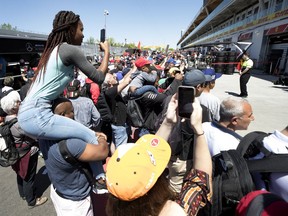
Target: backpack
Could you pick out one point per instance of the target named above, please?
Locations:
(232, 170)
(260, 202)
(9, 154)
(103, 108)
(134, 113)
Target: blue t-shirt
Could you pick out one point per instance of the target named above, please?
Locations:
(67, 179)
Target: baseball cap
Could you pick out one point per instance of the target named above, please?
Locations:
(194, 77)
(133, 169)
(158, 67)
(174, 70)
(141, 62)
(211, 72)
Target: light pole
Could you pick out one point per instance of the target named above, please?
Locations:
(106, 13)
(182, 31)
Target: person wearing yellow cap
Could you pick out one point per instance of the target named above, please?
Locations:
(136, 179)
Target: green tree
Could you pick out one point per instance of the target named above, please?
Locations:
(8, 26)
(131, 45)
(91, 40)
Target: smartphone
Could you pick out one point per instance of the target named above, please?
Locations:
(186, 95)
(102, 36)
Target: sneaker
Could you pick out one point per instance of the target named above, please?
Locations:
(39, 201)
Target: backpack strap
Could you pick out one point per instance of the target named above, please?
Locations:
(273, 163)
(5, 93)
(12, 122)
(248, 139)
(270, 163)
(84, 167)
(260, 202)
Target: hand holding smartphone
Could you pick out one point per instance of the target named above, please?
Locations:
(102, 37)
(186, 95)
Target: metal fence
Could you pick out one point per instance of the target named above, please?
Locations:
(93, 49)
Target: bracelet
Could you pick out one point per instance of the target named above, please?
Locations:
(199, 134)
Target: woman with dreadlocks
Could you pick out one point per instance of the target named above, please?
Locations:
(54, 72)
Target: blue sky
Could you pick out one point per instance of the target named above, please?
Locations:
(156, 22)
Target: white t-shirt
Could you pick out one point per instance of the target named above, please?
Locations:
(212, 103)
(220, 138)
(278, 144)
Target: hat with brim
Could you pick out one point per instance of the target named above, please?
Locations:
(211, 72)
(142, 62)
(193, 78)
(133, 169)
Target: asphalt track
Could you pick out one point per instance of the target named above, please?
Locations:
(270, 107)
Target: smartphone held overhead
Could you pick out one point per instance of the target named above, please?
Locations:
(186, 95)
(102, 36)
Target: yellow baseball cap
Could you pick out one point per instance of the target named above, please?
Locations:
(133, 169)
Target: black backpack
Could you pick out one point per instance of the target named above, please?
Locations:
(232, 172)
(134, 113)
(103, 108)
(9, 154)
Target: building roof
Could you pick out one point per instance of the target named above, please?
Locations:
(11, 34)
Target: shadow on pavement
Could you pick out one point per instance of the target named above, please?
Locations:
(42, 181)
(264, 76)
(284, 88)
(232, 93)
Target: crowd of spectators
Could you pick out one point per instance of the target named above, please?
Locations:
(166, 167)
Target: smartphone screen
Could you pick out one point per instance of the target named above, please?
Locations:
(186, 95)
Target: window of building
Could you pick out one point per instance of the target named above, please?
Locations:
(249, 13)
(256, 10)
(278, 5)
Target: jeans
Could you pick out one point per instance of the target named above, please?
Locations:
(37, 120)
(143, 131)
(140, 91)
(119, 134)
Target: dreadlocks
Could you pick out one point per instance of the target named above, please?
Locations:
(61, 32)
